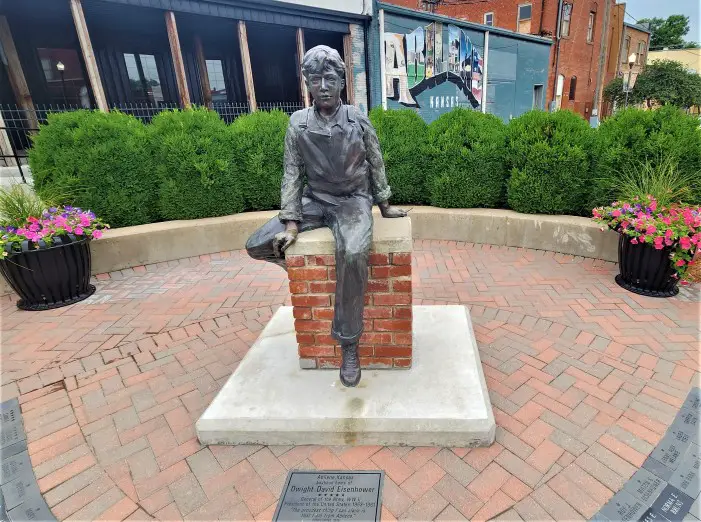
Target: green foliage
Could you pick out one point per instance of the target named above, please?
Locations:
(402, 135)
(17, 203)
(548, 157)
(663, 136)
(258, 144)
(662, 179)
(668, 32)
(668, 82)
(193, 153)
(466, 160)
(663, 82)
(97, 161)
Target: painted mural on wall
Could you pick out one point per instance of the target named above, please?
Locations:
(423, 59)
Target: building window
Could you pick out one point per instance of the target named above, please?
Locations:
(144, 80)
(566, 19)
(66, 86)
(641, 51)
(573, 87)
(524, 18)
(590, 28)
(217, 85)
(626, 54)
(488, 18)
(537, 96)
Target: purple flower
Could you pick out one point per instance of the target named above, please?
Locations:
(53, 210)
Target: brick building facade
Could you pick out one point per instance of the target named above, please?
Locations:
(577, 56)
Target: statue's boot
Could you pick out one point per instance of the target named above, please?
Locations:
(350, 366)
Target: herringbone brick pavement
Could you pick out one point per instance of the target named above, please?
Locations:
(584, 379)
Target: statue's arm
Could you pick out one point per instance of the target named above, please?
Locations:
(291, 190)
(381, 191)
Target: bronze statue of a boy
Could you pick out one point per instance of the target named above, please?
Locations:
(336, 148)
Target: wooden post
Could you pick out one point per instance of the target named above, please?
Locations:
(247, 71)
(204, 75)
(88, 55)
(485, 71)
(383, 66)
(17, 80)
(348, 58)
(5, 145)
(300, 57)
(177, 56)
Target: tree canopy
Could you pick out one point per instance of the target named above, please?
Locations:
(664, 82)
(668, 32)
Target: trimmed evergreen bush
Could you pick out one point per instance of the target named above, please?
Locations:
(193, 153)
(466, 160)
(402, 135)
(549, 163)
(97, 161)
(636, 137)
(259, 144)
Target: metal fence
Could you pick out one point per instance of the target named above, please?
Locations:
(18, 124)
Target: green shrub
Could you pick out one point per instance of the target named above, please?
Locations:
(259, 144)
(193, 152)
(466, 160)
(634, 136)
(402, 135)
(548, 157)
(98, 161)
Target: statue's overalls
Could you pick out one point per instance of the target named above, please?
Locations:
(338, 195)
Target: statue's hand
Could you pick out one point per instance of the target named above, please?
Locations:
(283, 240)
(388, 211)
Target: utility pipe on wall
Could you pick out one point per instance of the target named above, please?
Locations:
(557, 52)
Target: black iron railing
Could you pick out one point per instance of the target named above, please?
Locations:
(18, 124)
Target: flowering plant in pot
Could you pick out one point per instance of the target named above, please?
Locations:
(657, 243)
(45, 256)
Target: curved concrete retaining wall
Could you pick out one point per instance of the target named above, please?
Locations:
(146, 244)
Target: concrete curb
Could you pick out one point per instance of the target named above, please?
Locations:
(147, 244)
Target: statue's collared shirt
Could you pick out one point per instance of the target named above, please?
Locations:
(340, 157)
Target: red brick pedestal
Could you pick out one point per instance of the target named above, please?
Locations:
(387, 340)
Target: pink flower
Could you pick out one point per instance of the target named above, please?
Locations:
(79, 231)
(69, 229)
(659, 243)
(634, 241)
(97, 234)
(642, 238)
(616, 213)
(680, 262)
(651, 229)
(84, 220)
(34, 227)
(685, 243)
(668, 242)
(668, 234)
(653, 205)
(32, 219)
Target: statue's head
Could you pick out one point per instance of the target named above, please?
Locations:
(324, 73)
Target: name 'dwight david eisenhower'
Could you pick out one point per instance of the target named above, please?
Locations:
(331, 489)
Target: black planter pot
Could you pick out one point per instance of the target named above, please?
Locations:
(645, 270)
(51, 276)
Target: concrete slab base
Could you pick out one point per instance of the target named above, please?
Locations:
(441, 401)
